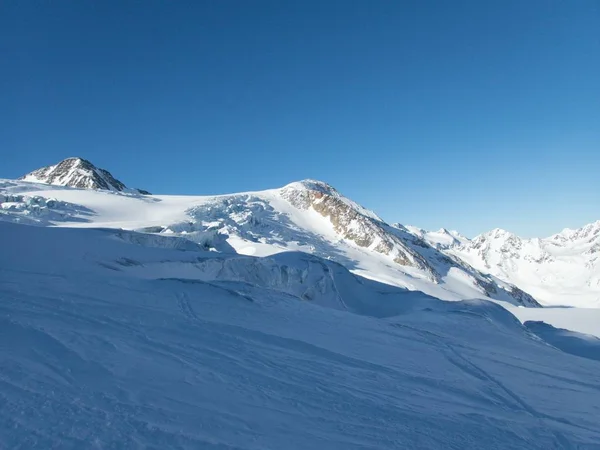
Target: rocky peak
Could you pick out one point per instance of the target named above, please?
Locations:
(78, 173)
(353, 222)
(305, 191)
(312, 185)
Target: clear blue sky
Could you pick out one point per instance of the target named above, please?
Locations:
(464, 114)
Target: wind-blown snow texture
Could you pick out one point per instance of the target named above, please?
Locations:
(115, 339)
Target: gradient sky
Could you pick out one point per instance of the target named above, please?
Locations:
(468, 115)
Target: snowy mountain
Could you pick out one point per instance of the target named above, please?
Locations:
(77, 173)
(563, 269)
(313, 217)
(288, 319)
(308, 216)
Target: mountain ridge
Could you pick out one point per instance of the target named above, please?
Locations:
(312, 216)
(309, 216)
(561, 269)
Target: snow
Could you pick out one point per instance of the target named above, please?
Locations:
(242, 321)
(252, 223)
(561, 270)
(584, 345)
(582, 320)
(107, 343)
(264, 224)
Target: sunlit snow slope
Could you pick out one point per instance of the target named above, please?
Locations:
(308, 216)
(116, 339)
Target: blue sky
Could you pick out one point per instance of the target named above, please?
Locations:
(469, 115)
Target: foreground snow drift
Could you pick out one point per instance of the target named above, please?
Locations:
(98, 350)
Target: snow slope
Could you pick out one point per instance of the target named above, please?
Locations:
(563, 269)
(116, 339)
(585, 345)
(307, 216)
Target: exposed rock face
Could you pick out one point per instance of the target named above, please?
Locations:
(365, 229)
(353, 222)
(78, 173)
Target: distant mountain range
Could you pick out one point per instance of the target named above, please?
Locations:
(563, 269)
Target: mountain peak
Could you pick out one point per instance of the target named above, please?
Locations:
(78, 173)
(312, 185)
(77, 160)
(310, 190)
(497, 233)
